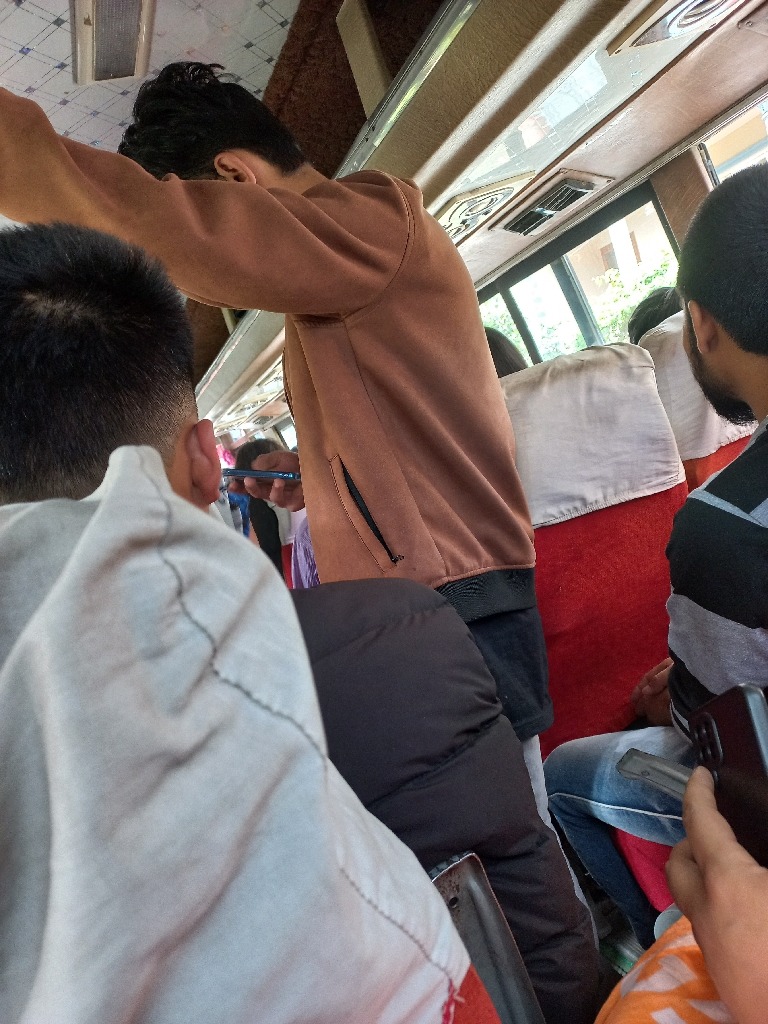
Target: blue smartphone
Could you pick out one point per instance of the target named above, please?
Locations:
(260, 474)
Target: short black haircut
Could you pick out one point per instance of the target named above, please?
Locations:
(246, 453)
(506, 358)
(652, 311)
(724, 258)
(186, 116)
(96, 353)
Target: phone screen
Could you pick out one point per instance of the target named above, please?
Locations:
(665, 775)
(259, 474)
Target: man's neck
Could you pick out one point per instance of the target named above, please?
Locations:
(305, 178)
(753, 389)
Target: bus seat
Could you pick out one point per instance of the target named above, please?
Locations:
(603, 478)
(647, 861)
(473, 1004)
(706, 442)
(483, 929)
(698, 471)
(286, 554)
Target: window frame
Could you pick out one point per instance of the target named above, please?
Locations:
(554, 254)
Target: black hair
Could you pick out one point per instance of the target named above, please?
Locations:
(96, 353)
(651, 311)
(724, 258)
(246, 453)
(186, 116)
(506, 357)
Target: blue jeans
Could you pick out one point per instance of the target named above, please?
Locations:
(589, 798)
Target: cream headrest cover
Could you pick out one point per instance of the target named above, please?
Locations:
(698, 430)
(591, 432)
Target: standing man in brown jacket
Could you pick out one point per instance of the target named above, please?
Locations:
(407, 453)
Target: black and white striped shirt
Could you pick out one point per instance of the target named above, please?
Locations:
(718, 560)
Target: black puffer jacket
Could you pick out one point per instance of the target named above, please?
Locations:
(414, 726)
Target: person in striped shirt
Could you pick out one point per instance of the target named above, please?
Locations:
(718, 554)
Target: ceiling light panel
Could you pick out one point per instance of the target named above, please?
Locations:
(112, 39)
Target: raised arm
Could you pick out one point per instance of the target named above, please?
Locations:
(224, 243)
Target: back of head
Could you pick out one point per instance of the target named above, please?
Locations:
(186, 116)
(506, 358)
(724, 258)
(251, 450)
(656, 307)
(97, 353)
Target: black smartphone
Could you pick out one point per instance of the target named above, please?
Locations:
(260, 474)
(660, 772)
(730, 734)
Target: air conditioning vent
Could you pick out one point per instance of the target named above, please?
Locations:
(564, 195)
(526, 223)
(559, 198)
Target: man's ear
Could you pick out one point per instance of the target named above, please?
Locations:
(204, 467)
(232, 165)
(705, 328)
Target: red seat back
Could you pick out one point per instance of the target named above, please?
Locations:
(603, 582)
(646, 861)
(698, 471)
(472, 1004)
(603, 478)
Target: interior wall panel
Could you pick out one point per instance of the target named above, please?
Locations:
(502, 60)
(713, 75)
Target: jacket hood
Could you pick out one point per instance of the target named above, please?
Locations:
(176, 845)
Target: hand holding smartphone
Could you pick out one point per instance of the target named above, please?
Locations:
(275, 477)
(730, 734)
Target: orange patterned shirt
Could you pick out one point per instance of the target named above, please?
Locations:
(669, 984)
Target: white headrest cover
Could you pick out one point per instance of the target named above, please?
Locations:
(591, 432)
(698, 430)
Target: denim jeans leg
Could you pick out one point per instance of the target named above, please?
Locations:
(590, 798)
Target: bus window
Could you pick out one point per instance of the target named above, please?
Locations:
(287, 432)
(741, 143)
(617, 267)
(580, 290)
(548, 314)
(495, 313)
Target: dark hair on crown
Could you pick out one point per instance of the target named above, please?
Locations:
(96, 353)
(724, 258)
(651, 311)
(506, 358)
(251, 450)
(186, 116)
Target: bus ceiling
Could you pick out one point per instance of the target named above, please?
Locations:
(525, 98)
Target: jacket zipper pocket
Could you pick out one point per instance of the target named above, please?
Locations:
(365, 513)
